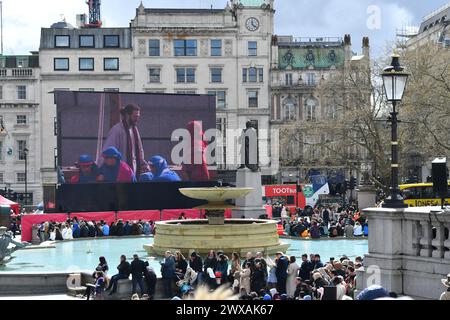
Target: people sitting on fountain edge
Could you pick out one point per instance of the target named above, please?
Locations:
(160, 172)
(114, 169)
(88, 171)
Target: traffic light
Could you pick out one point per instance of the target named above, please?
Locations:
(352, 185)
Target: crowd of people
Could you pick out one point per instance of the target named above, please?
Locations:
(329, 222)
(76, 229)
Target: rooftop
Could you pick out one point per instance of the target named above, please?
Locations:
(439, 16)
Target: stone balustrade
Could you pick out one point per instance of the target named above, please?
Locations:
(16, 73)
(411, 250)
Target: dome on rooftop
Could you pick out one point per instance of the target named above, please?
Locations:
(62, 25)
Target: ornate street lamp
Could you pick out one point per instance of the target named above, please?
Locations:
(394, 80)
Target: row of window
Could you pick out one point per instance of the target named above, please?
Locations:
(21, 92)
(21, 147)
(310, 81)
(188, 75)
(87, 41)
(20, 177)
(189, 48)
(86, 64)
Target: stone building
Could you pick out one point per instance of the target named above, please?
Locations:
(19, 120)
(299, 67)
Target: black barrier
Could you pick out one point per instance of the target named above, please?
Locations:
(126, 197)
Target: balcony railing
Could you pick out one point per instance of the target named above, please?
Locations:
(293, 84)
(16, 73)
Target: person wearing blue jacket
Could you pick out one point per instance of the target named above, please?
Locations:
(282, 264)
(168, 273)
(160, 172)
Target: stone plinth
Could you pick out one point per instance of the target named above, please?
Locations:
(367, 196)
(236, 235)
(251, 206)
(404, 254)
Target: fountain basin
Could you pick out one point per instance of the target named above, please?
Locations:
(236, 235)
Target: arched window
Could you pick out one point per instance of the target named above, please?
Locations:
(290, 113)
(311, 109)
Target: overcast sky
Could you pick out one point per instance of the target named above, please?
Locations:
(377, 19)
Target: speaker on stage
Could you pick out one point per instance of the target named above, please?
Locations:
(440, 176)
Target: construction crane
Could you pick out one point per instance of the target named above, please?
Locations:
(95, 20)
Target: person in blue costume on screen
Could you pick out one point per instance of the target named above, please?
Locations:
(160, 172)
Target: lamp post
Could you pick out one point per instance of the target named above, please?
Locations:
(394, 81)
(25, 154)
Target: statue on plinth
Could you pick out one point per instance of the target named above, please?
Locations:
(5, 241)
(249, 148)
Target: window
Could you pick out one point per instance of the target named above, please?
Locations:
(252, 48)
(86, 89)
(87, 41)
(61, 64)
(185, 75)
(21, 119)
(111, 90)
(86, 64)
(221, 98)
(21, 149)
(154, 48)
(288, 79)
(21, 177)
(311, 108)
(289, 110)
(311, 79)
(216, 75)
(21, 92)
(253, 99)
(185, 48)
(1, 153)
(1, 92)
(111, 42)
(62, 41)
(253, 75)
(111, 64)
(155, 75)
(216, 48)
(2, 177)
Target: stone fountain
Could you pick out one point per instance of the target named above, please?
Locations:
(215, 232)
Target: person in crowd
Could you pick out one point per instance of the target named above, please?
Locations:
(160, 172)
(235, 265)
(126, 139)
(317, 262)
(84, 230)
(245, 279)
(114, 170)
(100, 284)
(210, 261)
(127, 229)
(102, 265)
(147, 229)
(358, 231)
(222, 267)
(181, 264)
(258, 278)
(260, 259)
(87, 171)
(366, 229)
(67, 232)
(150, 280)
(119, 228)
(306, 268)
(14, 228)
(249, 258)
(292, 272)
(182, 216)
(446, 295)
(99, 230)
(138, 269)
(272, 277)
(105, 229)
(348, 230)
(124, 269)
(281, 272)
(196, 264)
(76, 232)
(315, 231)
(168, 273)
(326, 216)
(92, 230)
(58, 234)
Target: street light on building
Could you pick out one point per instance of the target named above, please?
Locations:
(394, 80)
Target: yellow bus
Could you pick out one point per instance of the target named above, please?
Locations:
(420, 195)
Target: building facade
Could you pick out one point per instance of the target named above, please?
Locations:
(19, 121)
(300, 105)
(221, 52)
